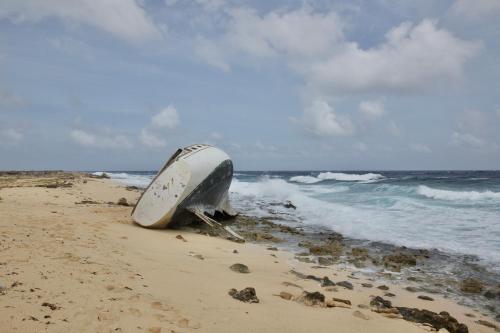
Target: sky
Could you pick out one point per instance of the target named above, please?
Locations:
(278, 85)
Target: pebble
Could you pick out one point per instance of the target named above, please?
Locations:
(345, 284)
(367, 285)
(240, 268)
(383, 287)
(425, 297)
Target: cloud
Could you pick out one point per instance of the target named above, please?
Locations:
(475, 9)
(10, 136)
(372, 109)
(125, 19)
(466, 139)
(166, 118)
(93, 140)
(321, 120)
(216, 136)
(151, 140)
(412, 58)
(421, 148)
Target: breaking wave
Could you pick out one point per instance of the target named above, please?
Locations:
(128, 178)
(339, 176)
(439, 194)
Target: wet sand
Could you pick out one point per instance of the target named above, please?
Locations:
(71, 259)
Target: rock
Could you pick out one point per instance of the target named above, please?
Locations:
(51, 306)
(306, 260)
(326, 261)
(367, 285)
(247, 295)
(312, 299)
(383, 287)
(345, 284)
(240, 268)
(123, 202)
(285, 295)
(235, 251)
(389, 295)
(363, 306)
(361, 315)
(425, 297)
(470, 315)
(471, 286)
(487, 324)
(272, 248)
(397, 260)
(289, 204)
(437, 321)
(333, 248)
(326, 282)
(412, 289)
(379, 304)
(491, 294)
(359, 252)
(179, 237)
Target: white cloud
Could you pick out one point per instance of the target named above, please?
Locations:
(372, 109)
(421, 148)
(10, 136)
(151, 140)
(125, 19)
(166, 118)
(89, 139)
(321, 120)
(475, 9)
(216, 136)
(466, 139)
(412, 58)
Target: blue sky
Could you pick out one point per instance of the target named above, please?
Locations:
(321, 85)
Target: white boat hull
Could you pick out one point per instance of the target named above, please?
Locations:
(196, 178)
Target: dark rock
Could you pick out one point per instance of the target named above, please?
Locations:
(247, 295)
(380, 303)
(425, 297)
(272, 248)
(359, 252)
(345, 301)
(389, 295)
(345, 284)
(332, 248)
(367, 285)
(383, 287)
(491, 294)
(132, 188)
(326, 261)
(235, 251)
(312, 299)
(471, 286)
(240, 268)
(306, 277)
(51, 306)
(412, 289)
(437, 321)
(289, 204)
(179, 237)
(123, 202)
(326, 282)
(398, 260)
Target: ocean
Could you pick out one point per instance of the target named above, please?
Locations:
(456, 212)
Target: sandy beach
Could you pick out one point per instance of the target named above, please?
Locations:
(72, 260)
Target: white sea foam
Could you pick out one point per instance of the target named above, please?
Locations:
(128, 179)
(305, 179)
(440, 194)
(349, 177)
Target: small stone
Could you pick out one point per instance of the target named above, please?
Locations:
(326, 282)
(340, 300)
(123, 202)
(247, 295)
(361, 315)
(470, 315)
(179, 237)
(235, 251)
(51, 306)
(272, 248)
(367, 285)
(383, 287)
(425, 297)
(412, 289)
(240, 268)
(312, 298)
(345, 284)
(389, 295)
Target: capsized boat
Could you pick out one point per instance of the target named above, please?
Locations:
(194, 180)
